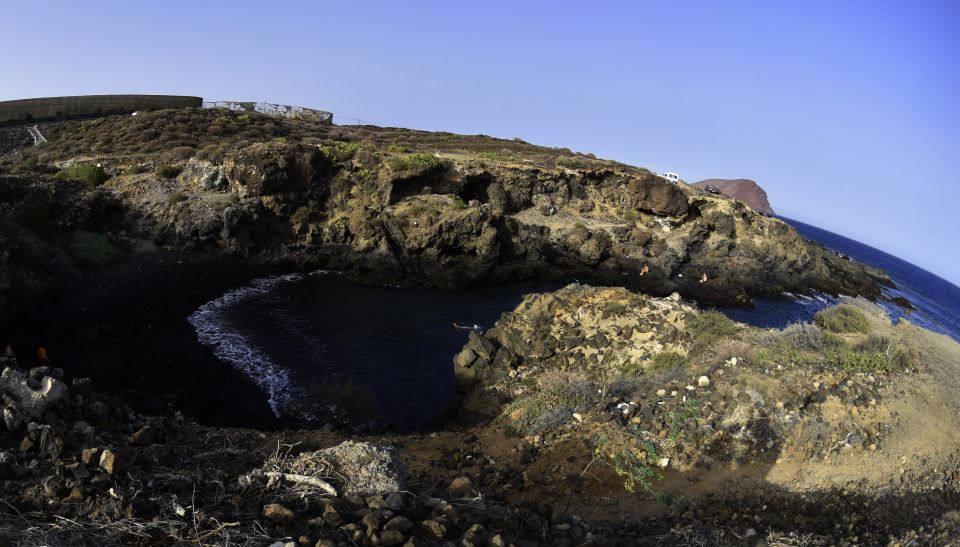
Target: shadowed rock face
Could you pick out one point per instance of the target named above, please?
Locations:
(745, 190)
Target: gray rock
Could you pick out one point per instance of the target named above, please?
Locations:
(476, 535)
(78, 470)
(32, 401)
(12, 418)
(204, 176)
(109, 461)
(274, 512)
(460, 487)
(394, 502)
(51, 444)
(7, 462)
(400, 524)
(366, 468)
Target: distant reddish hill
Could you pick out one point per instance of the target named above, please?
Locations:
(745, 190)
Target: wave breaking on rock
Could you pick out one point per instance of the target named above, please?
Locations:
(214, 330)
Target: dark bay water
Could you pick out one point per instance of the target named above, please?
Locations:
(395, 346)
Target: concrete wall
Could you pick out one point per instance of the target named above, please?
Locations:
(44, 108)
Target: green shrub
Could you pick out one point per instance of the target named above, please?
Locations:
(898, 356)
(92, 251)
(457, 204)
(30, 161)
(875, 343)
(690, 410)
(498, 156)
(176, 198)
(711, 326)
(182, 152)
(844, 318)
(804, 336)
(558, 396)
(629, 215)
(301, 215)
(417, 164)
(574, 162)
(398, 149)
(167, 171)
(666, 362)
(631, 457)
(340, 151)
(85, 173)
(849, 359)
(36, 217)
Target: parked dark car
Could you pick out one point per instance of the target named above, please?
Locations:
(712, 189)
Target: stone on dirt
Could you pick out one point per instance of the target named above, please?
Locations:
(367, 468)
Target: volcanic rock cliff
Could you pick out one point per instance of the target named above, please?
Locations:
(745, 190)
(398, 206)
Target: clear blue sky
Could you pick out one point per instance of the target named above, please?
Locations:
(847, 112)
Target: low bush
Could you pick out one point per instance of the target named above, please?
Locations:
(176, 198)
(30, 161)
(710, 326)
(804, 336)
(723, 351)
(182, 152)
(849, 359)
(167, 171)
(92, 251)
(498, 156)
(558, 396)
(301, 215)
(843, 318)
(665, 362)
(875, 343)
(84, 173)
(457, 204)
(417, 164)
(574, 162)
(632, 458)
(340, 151)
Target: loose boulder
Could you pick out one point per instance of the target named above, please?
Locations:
(32, 401)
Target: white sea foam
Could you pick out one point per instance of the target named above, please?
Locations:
(213, 329)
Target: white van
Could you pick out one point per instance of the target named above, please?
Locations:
(672, 177)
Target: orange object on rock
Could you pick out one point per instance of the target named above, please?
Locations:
(42, 355)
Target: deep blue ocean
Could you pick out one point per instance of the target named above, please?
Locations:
(397, 345)
(936, 301)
